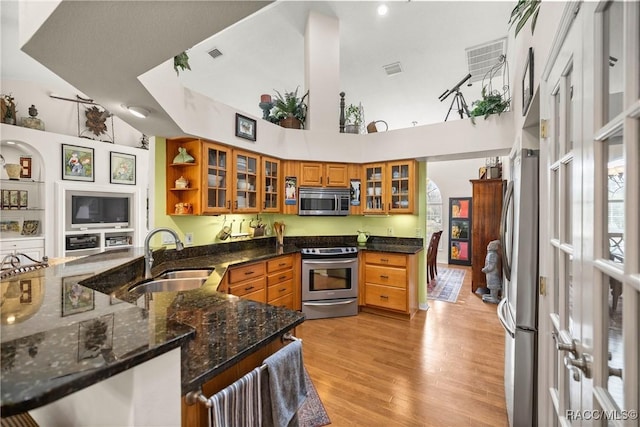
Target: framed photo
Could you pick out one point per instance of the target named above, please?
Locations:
(75, 297)
(459, 207)
(123, 168)
(460, 252)
(527, 83)
(95, 336)
(14, 199)
(290, 194)
(10, 225)
(355, 192)
(25, 164)
(30, 227)
(6, 204)
(245, 127)
(77, 163)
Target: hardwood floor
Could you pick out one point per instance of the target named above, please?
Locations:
(442, 368)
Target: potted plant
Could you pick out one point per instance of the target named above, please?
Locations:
(492, 102)
(8, 109)
(353, 119)
(289, 110)
(181, 61)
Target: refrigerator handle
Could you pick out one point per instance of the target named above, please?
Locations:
(502, 316)
(504, 217)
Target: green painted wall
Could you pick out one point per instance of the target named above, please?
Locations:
(205, 228)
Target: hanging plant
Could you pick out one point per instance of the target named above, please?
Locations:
(493, 100)
(181, 61)
(524, 10)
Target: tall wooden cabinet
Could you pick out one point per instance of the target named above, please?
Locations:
(486, 211)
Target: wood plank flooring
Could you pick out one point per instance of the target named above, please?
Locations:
(442, 368)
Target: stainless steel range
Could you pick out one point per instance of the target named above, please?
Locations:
(329, 282)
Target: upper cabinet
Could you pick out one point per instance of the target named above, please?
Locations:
(246, 186)
(271, 184)
(216, 198)
(389, 187)
(318, 174)
(184, 176)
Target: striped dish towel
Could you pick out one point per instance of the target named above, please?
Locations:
(239, 404)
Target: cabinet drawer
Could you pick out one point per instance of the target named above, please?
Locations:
(238, 274)
(260, 295)
(389, 276)
(248, 287)
(395, 260)
(386, 297)
(281, 263)
(279, 289)
(284, 301)
(282, 276)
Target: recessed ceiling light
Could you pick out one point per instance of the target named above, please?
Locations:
(139, 112)
(382, 9)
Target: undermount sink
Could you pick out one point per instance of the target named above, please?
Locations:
(186, 273)
(169, 285)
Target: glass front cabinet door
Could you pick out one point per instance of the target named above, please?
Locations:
(271, 182)
(373, 192)
(401, 187)
(217, 177)
(246, 182)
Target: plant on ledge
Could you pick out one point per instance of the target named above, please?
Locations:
(289, 110)
(353, 119)
(8, 109)
(493, 101)
(524, 10)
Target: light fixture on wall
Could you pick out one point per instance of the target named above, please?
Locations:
(140, 112)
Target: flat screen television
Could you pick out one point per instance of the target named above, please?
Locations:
(99, 211)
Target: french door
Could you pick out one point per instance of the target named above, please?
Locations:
(590, 327)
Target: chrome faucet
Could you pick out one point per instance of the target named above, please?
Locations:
(148, 252)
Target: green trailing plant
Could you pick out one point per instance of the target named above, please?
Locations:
(289, 105)
(491, 103)
(521, 13)
(353, 115)
(181, 61)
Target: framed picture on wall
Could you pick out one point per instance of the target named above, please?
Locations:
(77, 163)
(290, 190)
(123, 168)
(460, 230)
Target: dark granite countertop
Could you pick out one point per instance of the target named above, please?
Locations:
(71, 325)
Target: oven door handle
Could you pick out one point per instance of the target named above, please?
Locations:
(329, 261)
(329, 303)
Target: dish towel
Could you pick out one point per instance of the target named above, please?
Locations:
(287, 389)
(238, 405)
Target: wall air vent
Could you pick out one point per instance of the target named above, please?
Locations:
(392, 69)
(482, 57)
(215, 53)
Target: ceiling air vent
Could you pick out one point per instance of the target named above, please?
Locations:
(392, 69)
(482, 57)
(215, 53)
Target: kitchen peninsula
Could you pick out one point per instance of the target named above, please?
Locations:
(76, 336)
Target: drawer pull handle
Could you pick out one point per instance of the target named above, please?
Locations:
(384, 259)
(248, 288)
(246, 273)
(282, 290)
(282, 264)
(282, 277)
(384, 296)
(382, 276)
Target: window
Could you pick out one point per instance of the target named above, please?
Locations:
(434, 209)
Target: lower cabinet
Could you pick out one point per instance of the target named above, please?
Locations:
(274, 282)
(33, 248)
(390, 284)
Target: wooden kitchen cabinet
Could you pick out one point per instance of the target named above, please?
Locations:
(216, 179)
(390, 284)
(281, 282)
(318, 174)
(246, 182)
(248, 281)
(485, 213)
(389, 187)
(272, 184)
(184, 201)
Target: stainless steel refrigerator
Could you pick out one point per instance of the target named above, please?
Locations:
(518, 309)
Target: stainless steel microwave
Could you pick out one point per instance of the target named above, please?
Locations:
(324, 201)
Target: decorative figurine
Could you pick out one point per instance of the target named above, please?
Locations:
(144, 142)
(32, 121)
(493, 273)
(183, 156)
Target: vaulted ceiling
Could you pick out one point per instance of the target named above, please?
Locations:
(101, 47)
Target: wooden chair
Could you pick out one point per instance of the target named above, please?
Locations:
(432, 255)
